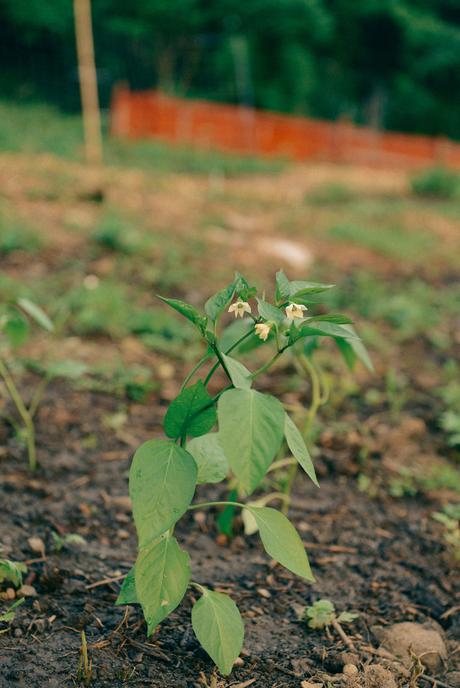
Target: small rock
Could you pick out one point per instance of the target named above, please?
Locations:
(307, 684)
(27, 591)
(10, 594)
(263, 592)
(36, 544)
(17, 633)
(238, 662)
(350, 670)
(376, 676)
(422, 639)
(123, 534)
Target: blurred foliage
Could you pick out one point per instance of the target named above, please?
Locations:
(327, 58)
(436, 183)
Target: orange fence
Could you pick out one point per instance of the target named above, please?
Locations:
(151, 114)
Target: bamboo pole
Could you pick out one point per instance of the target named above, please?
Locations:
(88, 81)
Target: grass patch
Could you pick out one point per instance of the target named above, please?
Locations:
(16, 235)
(37, 128)
(392, 241)
(437, 182)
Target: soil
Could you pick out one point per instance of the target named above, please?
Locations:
(379, 557)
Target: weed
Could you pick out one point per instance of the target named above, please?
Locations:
(438, 182)
(331, 194)
(450, 520)
(11, 572)
(391, 241)
(14, 331)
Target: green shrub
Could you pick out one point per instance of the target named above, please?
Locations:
(437, 182)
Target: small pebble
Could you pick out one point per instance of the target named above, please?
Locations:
(27, 591)
(264, 593)
(239, 662)
(36, 544)
(350, 670)
(17, 633)
(123, 534)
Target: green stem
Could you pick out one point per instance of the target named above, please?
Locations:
(195, 368)
(23, 412)
(229, 350)
(267, 365)
(38, 395)
(203, 504)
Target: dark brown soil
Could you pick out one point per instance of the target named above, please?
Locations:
(379, 557)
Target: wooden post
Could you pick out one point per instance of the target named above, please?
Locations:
(88, 81)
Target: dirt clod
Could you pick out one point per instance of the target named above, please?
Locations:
(421, 639)
(376, 676)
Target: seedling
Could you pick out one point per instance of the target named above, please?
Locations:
(322, 614)
(11, 572)
(10, 614)
(252, 427)
(67, 541)
(14, 331)
(450, 519)
(85, 665)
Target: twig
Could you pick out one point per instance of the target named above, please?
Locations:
(105, 581)
(338, 628)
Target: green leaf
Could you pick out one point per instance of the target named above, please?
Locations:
(282, 287)
(337, 318)
(162, 575)
(218, 625)
(11, 572)
(191, 413)
(281, 540)
(209, 457)
(162, 482)
(16, 329)
(127, 594)
(320, 614)
(235, 331)
(298, 448)
(188, 311)
(251, 431)
(299, 288)
(239, 374)
(351, 349)
(217, 303)
(242, 289)
(36, 313)
(322, 329)
(269, 312)
(347, 617)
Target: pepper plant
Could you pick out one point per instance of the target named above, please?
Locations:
(15, 318)
(251, 428)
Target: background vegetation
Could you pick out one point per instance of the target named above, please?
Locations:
(391, 63)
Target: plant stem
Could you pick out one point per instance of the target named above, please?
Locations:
(266, 365)
(229, 350)
(195, 368)
(203, 504)
(23, 412)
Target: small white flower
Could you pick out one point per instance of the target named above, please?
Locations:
(262, 330)
(295, 310)
(239, 308)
